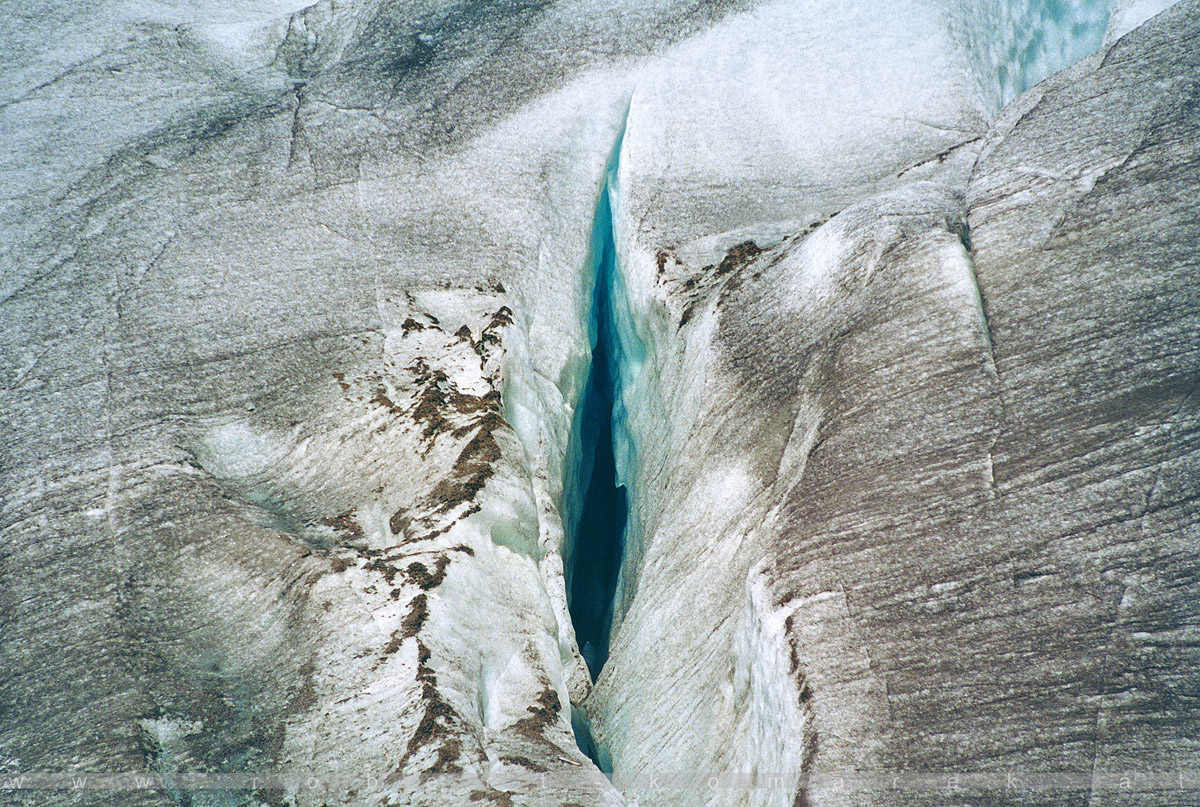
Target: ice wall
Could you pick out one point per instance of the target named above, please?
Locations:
(699, 673)
(1013, 44)
(789, 178)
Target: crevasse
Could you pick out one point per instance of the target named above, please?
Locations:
(595, 544)
(596, 497)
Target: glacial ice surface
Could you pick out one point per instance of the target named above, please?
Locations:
(389, 189)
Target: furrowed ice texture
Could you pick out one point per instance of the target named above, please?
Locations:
(307, 315)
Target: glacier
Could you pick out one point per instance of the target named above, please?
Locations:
(597, 403)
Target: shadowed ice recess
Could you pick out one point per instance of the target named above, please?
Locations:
(597, 542)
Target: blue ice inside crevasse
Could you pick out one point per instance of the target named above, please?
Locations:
(595, 500)
(595, 546)
(1017, 43)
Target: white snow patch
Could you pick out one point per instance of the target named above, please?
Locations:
(236, 450)
(1131, 14)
